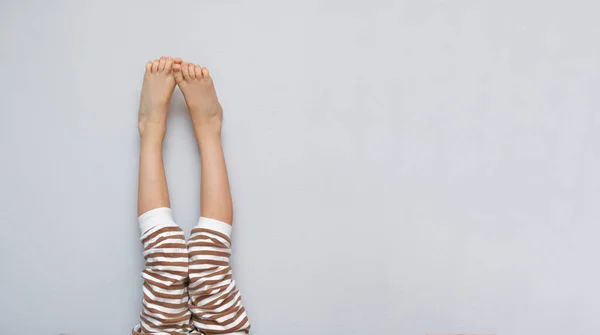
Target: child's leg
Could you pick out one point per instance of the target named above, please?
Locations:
(215, 301)
(164, 306)
(157, 90)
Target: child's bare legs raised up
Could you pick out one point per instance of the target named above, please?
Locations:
(215, 302)
(164, 305)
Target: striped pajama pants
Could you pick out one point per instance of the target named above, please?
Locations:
(188, 288)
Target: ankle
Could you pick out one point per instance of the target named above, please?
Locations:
(151, 134)
(207, 135)
(209, 130)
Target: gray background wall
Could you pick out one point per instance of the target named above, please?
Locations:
(398, 167)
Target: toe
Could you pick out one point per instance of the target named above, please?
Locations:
(155, 66)
(169, 65)
(184, 70)
(198, 71)
(161, 64)
(191, 70)
(149, 67)
(177, 73)
(177, 60)
(205, 72)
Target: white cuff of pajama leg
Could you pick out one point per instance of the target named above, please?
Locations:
(215, 225)
(158, 216)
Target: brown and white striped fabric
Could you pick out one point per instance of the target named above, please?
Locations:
(215, 301)
(165, 302)
(213, 298)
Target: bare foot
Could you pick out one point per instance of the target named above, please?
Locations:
(200, 96)
(157, 89)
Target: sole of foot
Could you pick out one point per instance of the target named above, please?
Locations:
(200, 95)
(157, 90)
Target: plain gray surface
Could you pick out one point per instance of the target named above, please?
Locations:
(398, 167)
